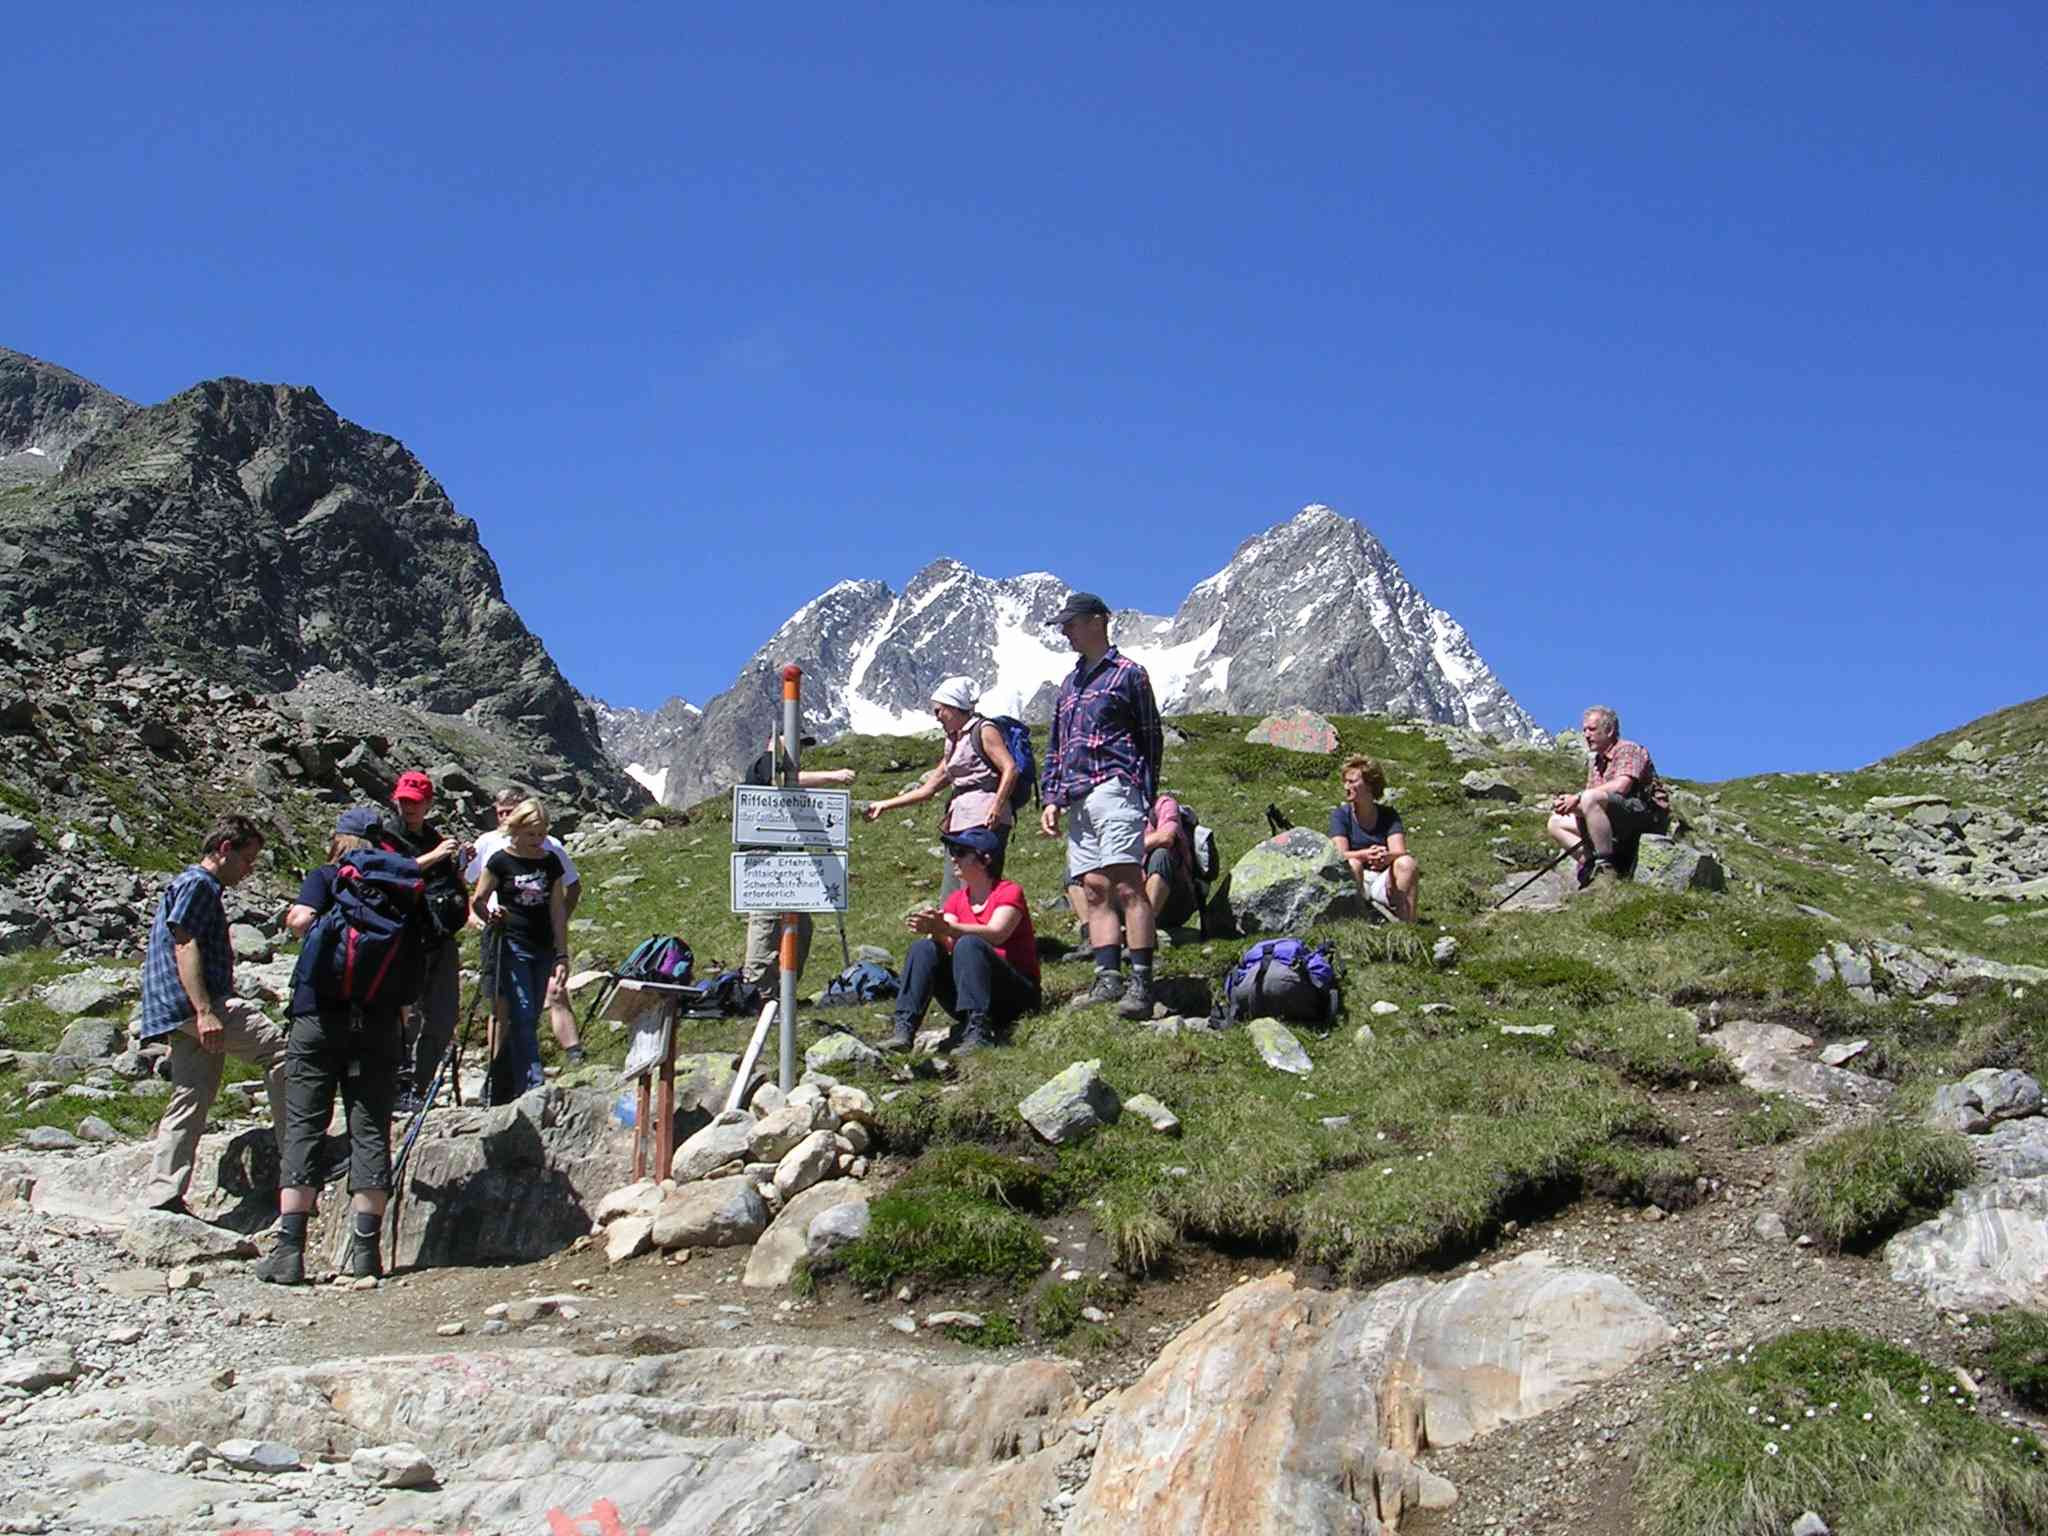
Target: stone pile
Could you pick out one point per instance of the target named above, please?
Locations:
(1873, 966)
(768, 1174)
(1974, 850)
(1989, 1247)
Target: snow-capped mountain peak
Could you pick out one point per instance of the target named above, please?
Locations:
(1312, 611)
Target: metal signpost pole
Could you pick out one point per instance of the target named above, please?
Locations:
(792, 738)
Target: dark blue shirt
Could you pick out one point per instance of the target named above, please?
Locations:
(192, 905)
(1386, 824)
(316, 892)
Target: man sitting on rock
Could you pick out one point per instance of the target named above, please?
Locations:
(188, 984)
(1622, 800)
(1374, 841)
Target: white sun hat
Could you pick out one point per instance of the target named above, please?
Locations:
(957, 692)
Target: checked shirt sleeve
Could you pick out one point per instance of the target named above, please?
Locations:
(1146, 727)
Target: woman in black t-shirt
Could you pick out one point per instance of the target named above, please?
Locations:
(531, 921)
(1373, 840)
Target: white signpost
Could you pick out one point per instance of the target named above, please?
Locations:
(789, 818)
(774, 880)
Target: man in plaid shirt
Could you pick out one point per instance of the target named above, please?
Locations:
(188, 983)
(1102, 767)
(1622, 800)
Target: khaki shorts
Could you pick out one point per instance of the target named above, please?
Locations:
(1106, 828)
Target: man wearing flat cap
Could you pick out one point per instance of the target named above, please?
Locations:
(1102, 769)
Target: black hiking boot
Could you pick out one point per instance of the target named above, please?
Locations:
(902, 1037)
(573, 1056)
(365, 1260)
(978, 1036)
(283, 1265)
(1137, 1003)
(1109, 986)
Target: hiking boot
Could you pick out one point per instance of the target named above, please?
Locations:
(283, 1265)
(1603, 869)
(1109, 986)
(365, 1262)
(1137, 1003)
(574, 1055)
(902, 1037)
(978, 1036)
(1583, 873)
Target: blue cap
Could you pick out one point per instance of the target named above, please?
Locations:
(361, 821)
(974, 840)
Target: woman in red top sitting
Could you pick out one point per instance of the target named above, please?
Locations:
(977, 955)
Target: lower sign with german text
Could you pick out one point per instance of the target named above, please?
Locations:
(770, 880)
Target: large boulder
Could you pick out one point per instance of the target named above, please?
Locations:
(787, 1239)
(93, 1039)
(1773, 1059)
(100, 991)
(1333, 1396)
(1983, 1099)
(16, 836)
(1289, 882)
(1987, 1249)
(1297, 730)
(1666, 865)
(718, 1213)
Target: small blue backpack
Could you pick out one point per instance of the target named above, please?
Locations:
(1017, 739)
(1284, 979)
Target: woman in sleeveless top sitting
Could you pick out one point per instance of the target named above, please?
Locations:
(976, 764)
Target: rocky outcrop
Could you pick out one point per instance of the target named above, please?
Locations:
(1974, 850)
(1282, 1410)
(514, 1183)
(1770, 1058)
(45, 413)
(242, 586)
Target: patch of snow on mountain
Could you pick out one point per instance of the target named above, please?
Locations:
(653, 783)
(1026, 659)
(1173, 667)
(1452, 650)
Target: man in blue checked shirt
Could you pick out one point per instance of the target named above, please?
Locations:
(1102, 767)
(188, 983)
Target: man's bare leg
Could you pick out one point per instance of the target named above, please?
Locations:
(1599, 831)
(1100, 910)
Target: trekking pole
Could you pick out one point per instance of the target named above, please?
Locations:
(845, 954)
(1546, 869)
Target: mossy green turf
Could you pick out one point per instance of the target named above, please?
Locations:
(1453, 1127)
(1872, 1438)
(2018, 1355)
(1856, 1189)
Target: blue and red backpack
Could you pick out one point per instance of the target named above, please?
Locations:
(368, 949)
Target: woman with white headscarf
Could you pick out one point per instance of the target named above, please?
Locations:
(976, 763)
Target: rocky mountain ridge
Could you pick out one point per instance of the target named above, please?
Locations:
(1312, 611)
(237, 600)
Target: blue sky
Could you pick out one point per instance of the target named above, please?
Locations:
(1691, 355)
